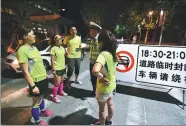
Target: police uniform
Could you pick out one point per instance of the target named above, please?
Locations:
(94, 52)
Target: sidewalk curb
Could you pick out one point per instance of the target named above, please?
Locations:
(14, 95)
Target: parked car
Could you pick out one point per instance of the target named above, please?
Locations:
(44, 49)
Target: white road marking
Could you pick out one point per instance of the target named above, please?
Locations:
(14, 95)
(135, 112)
(145, 114)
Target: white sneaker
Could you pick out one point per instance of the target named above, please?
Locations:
(78, 82)
(63, 93)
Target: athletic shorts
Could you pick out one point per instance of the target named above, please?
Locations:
(61, 73)
(43, 88)
(102, 97)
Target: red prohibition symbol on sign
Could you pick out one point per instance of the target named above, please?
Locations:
(127, 61)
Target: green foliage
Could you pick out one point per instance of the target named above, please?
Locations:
(137, 14)
(93, 11)
(128, 22)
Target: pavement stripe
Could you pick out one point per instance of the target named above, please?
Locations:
(145, 114)
(14, 95)
(24, 90)
(135, 112)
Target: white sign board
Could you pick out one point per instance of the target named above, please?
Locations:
(160, 65)
(126, 66)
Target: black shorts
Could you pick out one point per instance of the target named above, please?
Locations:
(43, 88)
(60, 73)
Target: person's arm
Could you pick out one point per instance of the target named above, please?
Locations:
(23, 61)
(24, 67)
(52, 54)
(96, 70)
(85, 47)
(65, 41)
(28, 77)
(52, 62)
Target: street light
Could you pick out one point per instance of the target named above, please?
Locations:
(150, 16)
(150, 13)
(161, 13)
(161, 17)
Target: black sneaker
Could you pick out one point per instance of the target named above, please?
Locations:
(107, 122)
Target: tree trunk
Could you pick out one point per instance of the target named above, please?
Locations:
(153, 36)
(146, 36)
(130, 35)
(139, 36)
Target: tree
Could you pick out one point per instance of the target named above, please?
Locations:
(138, 14)
(93, 11)
(19, 15)
(129, 20)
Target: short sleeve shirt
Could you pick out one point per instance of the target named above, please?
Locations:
(73, 45)
(32, 56)
(59, 57)
(109, 69)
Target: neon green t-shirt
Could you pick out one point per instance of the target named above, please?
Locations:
(73, 45)
(32, 56)
(59, 57)
(109, 68)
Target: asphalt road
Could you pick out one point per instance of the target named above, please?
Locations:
(134, 104)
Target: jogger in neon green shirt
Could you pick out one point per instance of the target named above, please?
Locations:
(58, 66)
(105, 71)
(32, 66)
(73, 43)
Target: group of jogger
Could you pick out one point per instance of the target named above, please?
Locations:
(102, 69)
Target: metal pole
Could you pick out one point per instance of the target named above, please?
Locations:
(162, 28)
(183, 99)
(161, 35)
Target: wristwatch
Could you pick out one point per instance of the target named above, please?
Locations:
(33, 86)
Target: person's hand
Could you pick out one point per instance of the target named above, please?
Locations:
(35, 90)
(104, 81)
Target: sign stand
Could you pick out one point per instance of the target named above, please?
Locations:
(183, 99)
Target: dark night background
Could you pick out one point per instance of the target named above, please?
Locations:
(112, 9)
(107, 13)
